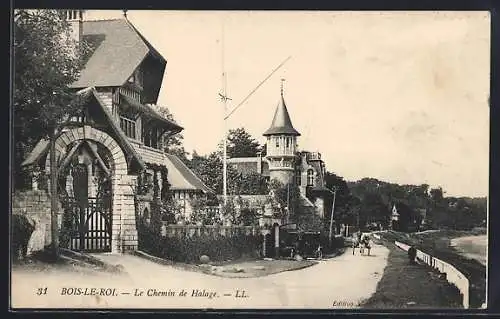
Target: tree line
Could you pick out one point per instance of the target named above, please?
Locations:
(363, 202)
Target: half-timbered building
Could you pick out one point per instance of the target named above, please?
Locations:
(112, 151)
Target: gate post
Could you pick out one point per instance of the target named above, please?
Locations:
(277, 241)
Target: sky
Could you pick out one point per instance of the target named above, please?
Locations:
(398, 96)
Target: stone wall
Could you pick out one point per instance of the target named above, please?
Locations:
(35, 205)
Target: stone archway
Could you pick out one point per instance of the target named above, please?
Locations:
(124, 231)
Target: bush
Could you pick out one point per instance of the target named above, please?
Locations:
(337, 243)
(189, 249)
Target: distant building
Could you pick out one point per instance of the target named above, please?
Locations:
(285, 163)
(404, 218)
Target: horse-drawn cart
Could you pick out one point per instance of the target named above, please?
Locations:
(361, 242)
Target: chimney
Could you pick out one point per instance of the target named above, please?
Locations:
(75, 20)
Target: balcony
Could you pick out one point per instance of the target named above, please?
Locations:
(314, 156)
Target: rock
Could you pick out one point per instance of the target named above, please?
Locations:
(411, 303)
(204, 259)
(298, 258)
(233, 269)
(204, 266)
(259, 267)
(119, 268)
(268, 259)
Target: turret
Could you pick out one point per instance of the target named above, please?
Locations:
(281, 144)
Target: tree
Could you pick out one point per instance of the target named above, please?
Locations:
(201, 214)
(342, 198)
(286, 196)
(251, 183)
(210, 170)
(172, 144)
(241, 144)
(47, 61)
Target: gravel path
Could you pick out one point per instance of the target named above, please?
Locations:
(341, 282)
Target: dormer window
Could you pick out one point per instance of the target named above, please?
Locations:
(131, 79)
(136, 78)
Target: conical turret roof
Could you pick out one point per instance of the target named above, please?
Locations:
(281, 122)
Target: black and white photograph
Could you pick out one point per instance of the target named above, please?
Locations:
(170, 159)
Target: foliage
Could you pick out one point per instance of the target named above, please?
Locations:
(172, 144)
(210, 170)
(251, 183)
(229, 213)
(286, 196)
(189, 248)
(241, 144)
(248, 216)
(47, 60)
(201, 212)
(343, 200)
(375, 198)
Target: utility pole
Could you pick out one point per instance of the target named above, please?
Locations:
(288, 203)
(331, 216)
(224, 99)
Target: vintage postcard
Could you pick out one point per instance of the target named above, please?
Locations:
(250, 159)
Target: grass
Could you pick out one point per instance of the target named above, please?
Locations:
(43, 260)
(237, 268)
(405, 285)
(438, 244)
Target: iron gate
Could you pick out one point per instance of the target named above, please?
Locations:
(87, 227)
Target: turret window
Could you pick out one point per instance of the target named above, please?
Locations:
(277, 141)
(287, 142)
(298, 180)
(310, 177)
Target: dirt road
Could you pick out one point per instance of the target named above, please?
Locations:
(340, 282)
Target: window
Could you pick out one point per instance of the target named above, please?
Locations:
(150, 137)
(277, 141)
(128, 126)
(287, 142)
(310, 177)
(298, 178)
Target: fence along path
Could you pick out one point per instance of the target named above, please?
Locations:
(452, 274)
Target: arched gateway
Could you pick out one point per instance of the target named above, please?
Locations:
(91, 170)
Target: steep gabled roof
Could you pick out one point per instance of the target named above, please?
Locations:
(117, 49)
(180, 177)
(281, 121)
(41, 148)
(152, 113)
